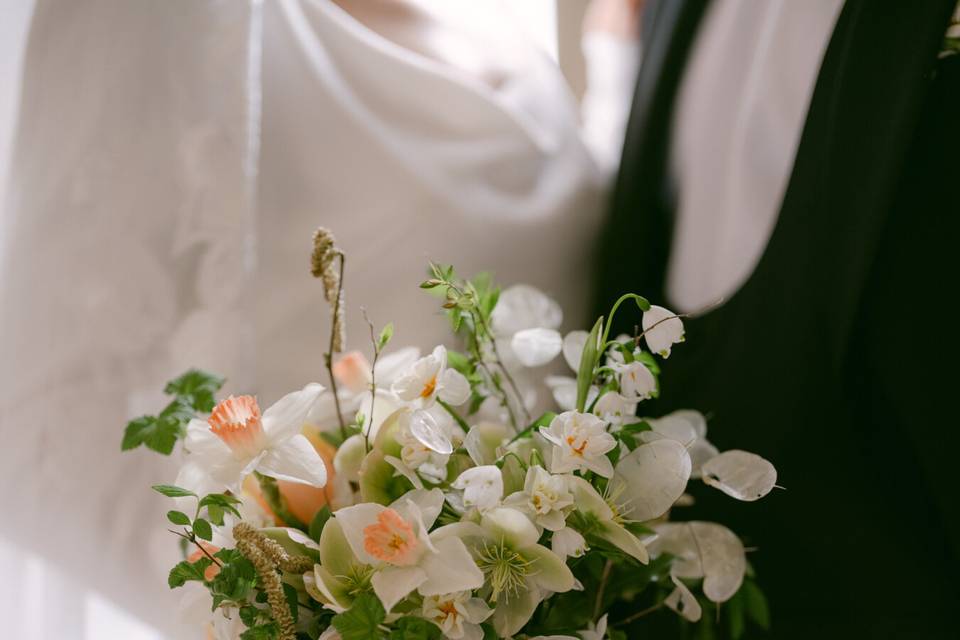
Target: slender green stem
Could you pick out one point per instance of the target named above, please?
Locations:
(639, 614)
(453, 414)
(613, 312)
(373, 381)
(598, 603)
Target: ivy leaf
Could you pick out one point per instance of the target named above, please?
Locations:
(178, 517)
(185, 571)
(413, 628)
(196, 388)
(173, 491)
(587, 363)
(269, 631)
(361, 621)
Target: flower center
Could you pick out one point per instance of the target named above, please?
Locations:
(505, 569)
(577, 449)
(429, 387)
(236, 421)
(391, 539)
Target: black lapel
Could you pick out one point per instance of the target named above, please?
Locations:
(642, 241)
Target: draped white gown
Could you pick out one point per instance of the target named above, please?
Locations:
(170, 164)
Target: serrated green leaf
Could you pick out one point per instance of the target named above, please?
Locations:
(202, 529)
(134, 433)
(185, 571)
(236, 578)
(173, 491)
(196, 388)
(178, 517)
(159, 434)
(588, 362)
(362, 620)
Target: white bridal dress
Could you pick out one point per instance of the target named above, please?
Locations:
(169, 166)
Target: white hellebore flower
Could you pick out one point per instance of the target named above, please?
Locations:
(236, 440)
(429, 380)
(457, 614)
(545, 498)
(662, 329)
(482, 487)
(580, 441)
(568, 543)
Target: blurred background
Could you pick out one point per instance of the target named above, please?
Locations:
(162, 166)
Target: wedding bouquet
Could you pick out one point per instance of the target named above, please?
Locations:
(418, 498)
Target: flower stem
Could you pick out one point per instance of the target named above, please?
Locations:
(328, 357)
(598, 604)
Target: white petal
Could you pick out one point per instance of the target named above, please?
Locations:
(659, 332)
(672, 426)
(523, 307)
(426, 429)
(201, 440)
(391, 365)
(194, 477)
(288, 415)
(514, 612)
(568, 542)
(429, 503)
(483, 440)
(450, 569)
(353, 520)
(394, 583)
(536, 347)
(740, 474)
(683, 602)
(651, 478)
(482, 486)
(588, 500)
(511, 526)
(548, 569)
(294, 460)
(454, 388)
(573, 344)
(625, 541)
(564, 391)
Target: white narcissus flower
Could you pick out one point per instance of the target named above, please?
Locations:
(636, 381)
(395, 542)
(482, 487)
(236, 440)
(662, 329)
(458, 615)
(429, 379)
(580, 441)
(615, 409)
(545, 498)
(568, 543)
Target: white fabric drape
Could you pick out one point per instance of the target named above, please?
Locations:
(171, 161)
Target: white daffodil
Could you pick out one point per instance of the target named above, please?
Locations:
(580, 441)
(518, 571)
(568, 543)
(458, 615)
(395, 542)
(662, 329)
(599, 520)
(429, 379)
(636, 381)
(236, 440)
(482, 487)
(545, 498)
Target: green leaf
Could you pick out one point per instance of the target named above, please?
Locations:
(642, 302)
(185, 571)
(178, 517)
(290, 593)
(362, 620)
(318, 522)
(588, 362)
(735, 616)
(385, 336)
(236, 578)
(758, 611)
(414, 628)
(159, 434)
(202, 529)
(269, 631)
(173, 491)
(196, 388)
